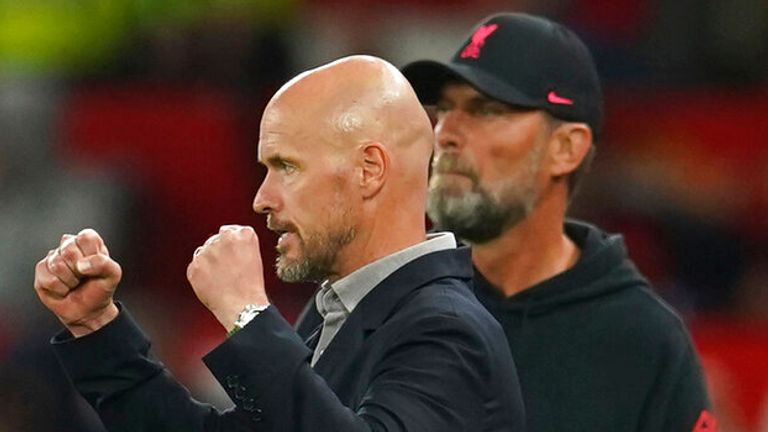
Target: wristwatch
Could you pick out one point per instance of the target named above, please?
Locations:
(249, 312)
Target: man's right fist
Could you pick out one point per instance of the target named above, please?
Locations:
(77, 280)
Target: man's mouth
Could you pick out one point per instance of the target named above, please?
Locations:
(451, 166)
(284, 239)
(279, 227)
(452, 177)
(453, 173)
(284, 230)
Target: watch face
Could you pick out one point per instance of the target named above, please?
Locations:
(249, 312)
(248, 315)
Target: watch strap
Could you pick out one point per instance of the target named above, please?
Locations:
(249, 312)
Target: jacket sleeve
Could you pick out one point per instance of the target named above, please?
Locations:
(433, 379)
(678, 401)
(131, 391)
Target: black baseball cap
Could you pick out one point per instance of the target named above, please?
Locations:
(522, 60)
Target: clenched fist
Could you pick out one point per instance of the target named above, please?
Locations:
(77, 281)
(227, 273)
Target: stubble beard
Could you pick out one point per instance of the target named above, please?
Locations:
(318, 257)
(319, 249)
(482, 213)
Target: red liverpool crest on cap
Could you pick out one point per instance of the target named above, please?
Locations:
(478, 40)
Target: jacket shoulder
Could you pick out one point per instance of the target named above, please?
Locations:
(452, 302)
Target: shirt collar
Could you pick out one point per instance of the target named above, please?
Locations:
(352, 288)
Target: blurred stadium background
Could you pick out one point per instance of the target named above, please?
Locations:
(140, 118)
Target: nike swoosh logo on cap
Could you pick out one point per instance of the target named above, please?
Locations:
(553, 98)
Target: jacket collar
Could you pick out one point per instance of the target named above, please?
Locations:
(382, 301)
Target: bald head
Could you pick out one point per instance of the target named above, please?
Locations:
(353, 100)
(347, 147)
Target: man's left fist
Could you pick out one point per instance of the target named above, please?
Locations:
(227, 273)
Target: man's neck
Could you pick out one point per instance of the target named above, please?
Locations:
(534, 250)
(378, 240)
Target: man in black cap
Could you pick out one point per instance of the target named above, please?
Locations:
(519, 108)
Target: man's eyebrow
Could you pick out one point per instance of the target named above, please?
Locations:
(271, 160)
(485, 99)
(481, 99)
(275, 160)
(476, 99)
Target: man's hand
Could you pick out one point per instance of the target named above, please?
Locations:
(77, 281)
(227, 273)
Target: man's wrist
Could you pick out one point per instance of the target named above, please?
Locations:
(91, 325)
(248, 313)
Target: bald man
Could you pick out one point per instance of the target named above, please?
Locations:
(394, 339)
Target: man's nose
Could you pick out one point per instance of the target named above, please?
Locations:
(448, 131)
(266, 200)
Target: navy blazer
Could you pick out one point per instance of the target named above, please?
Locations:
(418, 353)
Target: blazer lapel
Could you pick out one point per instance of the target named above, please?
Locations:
(308, 319)
(314, 337)
(332, 364)
(383, 301)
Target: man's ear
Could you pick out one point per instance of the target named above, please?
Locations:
(374, 166)
(570, 145)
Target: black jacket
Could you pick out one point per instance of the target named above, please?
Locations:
(418, 353)
(597, 350)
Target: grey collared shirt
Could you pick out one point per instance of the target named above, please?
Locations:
(335, 301)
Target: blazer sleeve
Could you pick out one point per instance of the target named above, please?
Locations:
(435, 378)
(432, 379)
(132, 391)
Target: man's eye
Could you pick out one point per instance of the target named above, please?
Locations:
(287, 168)
(491, 110)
